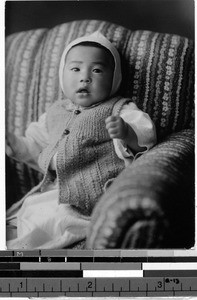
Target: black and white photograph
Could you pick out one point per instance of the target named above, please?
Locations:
(99, 124)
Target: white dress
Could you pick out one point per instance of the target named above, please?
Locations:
(40, 222)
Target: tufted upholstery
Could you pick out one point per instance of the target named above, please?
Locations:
(158, 74)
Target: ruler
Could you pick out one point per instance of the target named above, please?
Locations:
(97, 274)
(92, 287)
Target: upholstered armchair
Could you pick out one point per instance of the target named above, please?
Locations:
(151, 203)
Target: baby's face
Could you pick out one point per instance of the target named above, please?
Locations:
(88, 75)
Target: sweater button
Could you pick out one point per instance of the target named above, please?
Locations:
(66, 131)
(77, 112)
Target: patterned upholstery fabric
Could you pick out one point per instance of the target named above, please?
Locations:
(158, 74)
(152, 200)
(157, 69)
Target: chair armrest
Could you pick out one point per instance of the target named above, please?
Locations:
(151, 203)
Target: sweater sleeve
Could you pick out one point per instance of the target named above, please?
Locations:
(33, 142)
(144, 128)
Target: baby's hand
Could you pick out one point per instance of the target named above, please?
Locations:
(116, 126)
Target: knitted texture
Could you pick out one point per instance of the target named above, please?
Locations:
(151, 203)
(157, 74)
(86, 157)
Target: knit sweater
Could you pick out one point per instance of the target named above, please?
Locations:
(86, 159)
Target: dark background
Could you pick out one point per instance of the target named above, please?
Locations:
(170, 16)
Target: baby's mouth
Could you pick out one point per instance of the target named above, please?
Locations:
(82, 91)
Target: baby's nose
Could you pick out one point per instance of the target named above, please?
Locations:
(85, 78)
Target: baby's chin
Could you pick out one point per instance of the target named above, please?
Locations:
(85, 101)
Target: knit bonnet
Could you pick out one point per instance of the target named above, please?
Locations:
(98, 38)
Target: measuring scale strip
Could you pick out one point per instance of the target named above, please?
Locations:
(43, 259)
(99, 286)
(97, 266)
(96, 273)
(102, 253)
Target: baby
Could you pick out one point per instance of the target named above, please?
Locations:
(80, 144)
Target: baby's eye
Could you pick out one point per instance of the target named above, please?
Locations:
(97, 70)
(75, 69)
